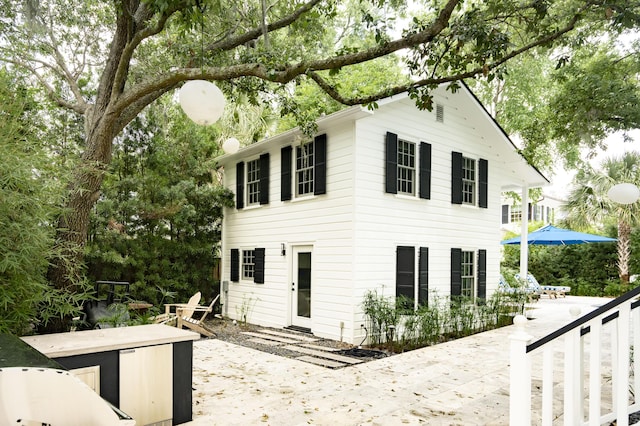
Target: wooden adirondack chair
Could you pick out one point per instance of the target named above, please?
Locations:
(185, 318)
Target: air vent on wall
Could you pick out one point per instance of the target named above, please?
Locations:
(439, 113)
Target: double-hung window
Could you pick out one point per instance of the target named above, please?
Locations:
(304, 169)
(516, 214)
(248, 264)
(468, 181)
(253, 182)
(406, 167)
(467, 274)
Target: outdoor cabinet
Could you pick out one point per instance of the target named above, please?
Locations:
(145, 370)
(145, 384)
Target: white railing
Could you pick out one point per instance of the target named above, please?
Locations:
(581, 374)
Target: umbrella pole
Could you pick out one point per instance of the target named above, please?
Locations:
(524, 247)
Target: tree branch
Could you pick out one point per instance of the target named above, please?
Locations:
(141, 16)
(233, 42)
(49, 90)
(330, 90)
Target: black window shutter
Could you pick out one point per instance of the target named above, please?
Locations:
(391, 163)
(264, 179)
(456, 272)
(240, 185)
(505, 213)
(235, 265)
(482, 274)
(320, 166)
(483, 197)
(258, 269)
(285, 176)
(405, 271)
(425, 170)
(456, 178)
(423, 276)
(530, 210)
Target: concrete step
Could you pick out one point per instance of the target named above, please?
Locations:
(320, 361)
(270, 337)
(323, 354)
(289, 335)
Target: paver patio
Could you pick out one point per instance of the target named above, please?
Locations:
(462, 382)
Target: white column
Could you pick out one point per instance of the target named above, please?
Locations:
(524, 230)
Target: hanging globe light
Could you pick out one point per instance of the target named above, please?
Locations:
(624, 193)
(202, 101)
(231, 146)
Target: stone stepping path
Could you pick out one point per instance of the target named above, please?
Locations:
(311, 353)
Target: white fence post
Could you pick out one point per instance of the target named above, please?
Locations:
(573, 374)
(622, 382)
(519, 375)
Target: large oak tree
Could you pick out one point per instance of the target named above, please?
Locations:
(106, 61)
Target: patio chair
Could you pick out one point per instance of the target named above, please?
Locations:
(531, 289)
(504, 287)
(553, 291)
(185, 319)
(170, 316)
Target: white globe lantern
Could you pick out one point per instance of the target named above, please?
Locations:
(202, 101)
(624, 193)
(231, 146)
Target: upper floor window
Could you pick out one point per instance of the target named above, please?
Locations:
(253, 182)
(252, 179)
(468, 181)
(406, 167)
(304, 169)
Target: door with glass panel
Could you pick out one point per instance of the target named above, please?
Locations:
(301, 286)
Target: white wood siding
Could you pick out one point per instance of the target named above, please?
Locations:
(323, 221)
(384, 221)
(356, 227)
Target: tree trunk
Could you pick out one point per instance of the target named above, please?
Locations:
(84, 190)
(624, 251)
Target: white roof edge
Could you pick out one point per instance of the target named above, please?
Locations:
(350, 113)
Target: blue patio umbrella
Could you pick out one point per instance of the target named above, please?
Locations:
(550, 235)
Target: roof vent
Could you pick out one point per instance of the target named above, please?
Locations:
(439, 113)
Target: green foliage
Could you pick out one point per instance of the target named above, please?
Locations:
(391, 324)
(158, 222)
(589, 269)
(564, 102)
(29, 196)
(310, 102)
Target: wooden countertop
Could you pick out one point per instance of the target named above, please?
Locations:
(59, 345)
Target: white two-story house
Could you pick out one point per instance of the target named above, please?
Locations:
(397, 200)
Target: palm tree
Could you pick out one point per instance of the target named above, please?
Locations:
(589, 205)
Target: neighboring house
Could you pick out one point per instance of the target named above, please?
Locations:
(397, 200)
(548, 210)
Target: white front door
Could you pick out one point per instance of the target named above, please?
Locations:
(301, 286)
